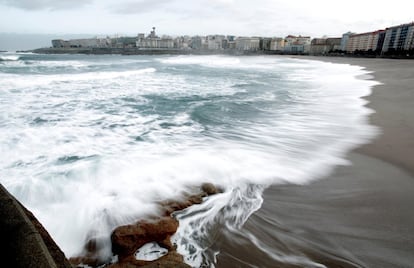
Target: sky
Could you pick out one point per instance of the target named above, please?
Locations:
(270, 18)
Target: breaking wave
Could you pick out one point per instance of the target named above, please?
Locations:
(93, 148)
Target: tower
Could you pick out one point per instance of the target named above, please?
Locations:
(152, 35)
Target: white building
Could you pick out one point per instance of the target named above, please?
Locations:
(183, 42)
(82, 43)
(364, 42)
(248, 43)
(152, 41)
(277, 44)
(215, 42)
(297, 44)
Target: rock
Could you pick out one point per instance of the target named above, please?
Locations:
(171, 260)
(210, 189)
(129, 238)
(24, 241)
(56, 253)
(85, 260)
(171, 206)
(90, 255)
(93, 245)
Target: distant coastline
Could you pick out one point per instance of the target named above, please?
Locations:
(138, 51)
(231, 52)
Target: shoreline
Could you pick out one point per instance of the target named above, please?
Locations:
(361, 214)
(393, 109)
(383, 169)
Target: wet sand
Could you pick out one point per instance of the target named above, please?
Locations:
(393, 102)
(362, 215)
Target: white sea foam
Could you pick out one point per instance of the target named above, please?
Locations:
(89, 151)
(30, 81)
(210, 61)
(6, 57)
(217, 61)
(150, 252)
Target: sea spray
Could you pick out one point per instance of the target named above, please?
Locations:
(200, 223)
(92, 142)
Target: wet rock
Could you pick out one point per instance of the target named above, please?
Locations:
(171, 260)
(24, 241)
(170, 206)
(90, 254)
(56, 253)
(210, 189)
(85, 260)
(129, 238)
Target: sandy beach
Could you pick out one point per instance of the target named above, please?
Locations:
(392, 102)
(362, 214)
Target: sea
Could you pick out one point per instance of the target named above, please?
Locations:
(92, 142)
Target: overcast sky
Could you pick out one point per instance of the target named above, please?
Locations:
(176, 17)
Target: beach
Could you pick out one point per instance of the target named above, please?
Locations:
(359, 216)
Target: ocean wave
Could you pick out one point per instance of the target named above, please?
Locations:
(155, 133)
(9, 57)
(14, 81)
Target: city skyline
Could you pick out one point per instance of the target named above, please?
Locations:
(397, 40)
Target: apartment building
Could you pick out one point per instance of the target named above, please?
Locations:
(322, 46)
(365, 41)
(277, 44)
(399, 37)
(248, 43)
(216, 42)
(297, 44)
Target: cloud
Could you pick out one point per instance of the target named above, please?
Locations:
(139, 7)
(46, 4)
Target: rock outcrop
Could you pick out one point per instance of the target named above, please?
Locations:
(127, 239)
(24, 241)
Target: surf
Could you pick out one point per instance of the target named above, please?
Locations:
(100, 146)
